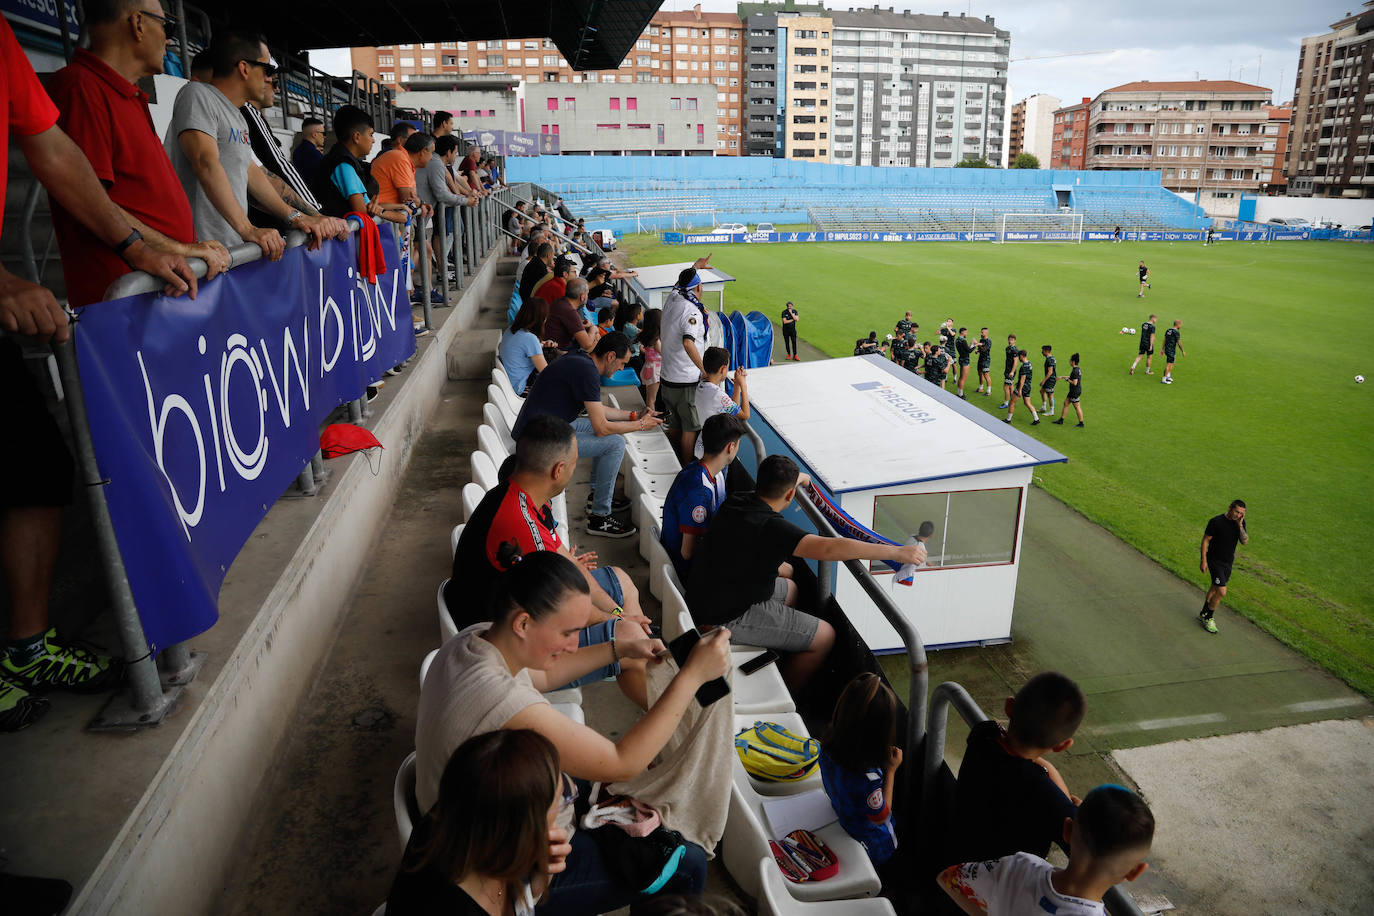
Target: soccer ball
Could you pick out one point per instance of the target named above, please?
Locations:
(1359, 380)
(1132, 330)
(1125, 330)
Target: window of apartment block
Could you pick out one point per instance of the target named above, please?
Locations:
(691, 104)
(679, 49)
(406, 47)
(660, 135)
(701, 134)
(496, 60)
(407, 61)
(531, 46)
(570, 104)
(451, 60)
(680, 32)
(674, 104)
(608, 127)
(642, 44)
(615, 103)
(386, 61)
(512, 46)
(551, 60)
(388, 77)
(531, 62)
(426, 62)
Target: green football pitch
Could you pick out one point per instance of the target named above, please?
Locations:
(1264, 406)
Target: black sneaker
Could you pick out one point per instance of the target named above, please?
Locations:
(1078, 426)
(606, 526)
(18, 708)
(1060, 422)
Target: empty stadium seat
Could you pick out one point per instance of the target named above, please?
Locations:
(403, 801)
(453, 537)
(502, 381)
(489, 442)
(483, 470)
(424, 665)
(447, 628)
(639, 481)
(497, 396)
(761, 695)
(472, 495)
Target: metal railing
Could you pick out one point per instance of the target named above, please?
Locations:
(950, 694)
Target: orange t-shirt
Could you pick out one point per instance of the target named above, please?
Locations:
(392, 171)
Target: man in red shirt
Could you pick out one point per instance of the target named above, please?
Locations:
(35, 480)
(107, 116)
(556, 287)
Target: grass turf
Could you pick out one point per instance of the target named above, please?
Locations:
(1264, 406)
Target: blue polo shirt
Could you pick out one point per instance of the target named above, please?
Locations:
(689, 507)
(861, 806)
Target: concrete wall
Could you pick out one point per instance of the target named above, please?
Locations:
(586, 124)
(1348, 213)
(505, 104)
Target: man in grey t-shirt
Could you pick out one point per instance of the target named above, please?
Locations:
(211, 151)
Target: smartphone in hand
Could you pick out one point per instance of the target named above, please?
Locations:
(681, 648)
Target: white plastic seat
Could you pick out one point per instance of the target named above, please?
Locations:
(559, 504)
(788, 720)
(572, 711)
(638, 481)
(447, 628)
(652, 440)
(493, 417)
(453, 537)
(424, 665)
(491, 443)
(502, 381)
(775, 899)
(472, 495)
(610, 400)
(497, 398)
(403, 799)
(761, 695)
(648, 513)
(483, 470)
(676, 618)
(745, 844)
(654, 462)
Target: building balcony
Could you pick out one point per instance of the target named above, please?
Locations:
(1112, 159)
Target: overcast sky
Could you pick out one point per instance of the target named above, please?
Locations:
(1255, 41)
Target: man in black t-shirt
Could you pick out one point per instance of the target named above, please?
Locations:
(1172, 347)
(905, 325)
(741, 575)
(1144, 280)
(1009, 374)
(1218, 551)
(937, 365)
(984, 348)
(1008, 797)
(1075, 393)
(963, 356)
(1021, 388)
(1147, 345)
(789, 331)
(1048, 382)
(913, 352)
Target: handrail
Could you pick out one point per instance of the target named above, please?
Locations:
(555, 233)
(1116, 900)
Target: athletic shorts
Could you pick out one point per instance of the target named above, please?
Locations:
(1026, 389)
(1146, 350)
(1073, 397)
(964, 362)
(1048, 384)
(1169, 356)
(679, 406)
(594, 635)
(36, 469)
(1010, 380)
(984, 365)
(1220, 573)
(773, 625)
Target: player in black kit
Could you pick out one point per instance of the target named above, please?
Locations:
(963, 354)
(1075, 393)
(1048, 382)
(1218, 553)
(984, 348)
(1172, 348)
(1144, 280)
(1009, 376)
(1023, 376)
(1147, 345)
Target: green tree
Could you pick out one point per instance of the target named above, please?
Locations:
(978, 163)
(1025, 161)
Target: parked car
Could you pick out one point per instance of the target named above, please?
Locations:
(730, 229)
(765, 227)
(605, 238)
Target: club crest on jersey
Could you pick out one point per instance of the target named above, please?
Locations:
(875, 799)
(699, 514)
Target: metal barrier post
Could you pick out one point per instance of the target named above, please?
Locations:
(441, 238)
(144, 703)
(470, 240)
(422, 251)
(180, 10)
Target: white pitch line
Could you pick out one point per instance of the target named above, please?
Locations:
(1150, 725)
(1315, 705)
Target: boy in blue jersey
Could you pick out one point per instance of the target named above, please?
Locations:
(698, 490)
(858, 762)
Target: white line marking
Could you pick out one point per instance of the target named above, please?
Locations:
(1153, 724)
(1334, 703)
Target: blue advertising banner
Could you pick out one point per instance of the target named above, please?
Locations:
(1013, 235)
(203, 412)
(521, 144)
(41, 15)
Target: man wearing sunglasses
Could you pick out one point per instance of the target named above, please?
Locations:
(106, 114)
(210, 148)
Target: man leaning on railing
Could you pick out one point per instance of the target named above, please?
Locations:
(36, 472)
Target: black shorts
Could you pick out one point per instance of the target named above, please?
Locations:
(1025, 389)
(1146, 350)
(963, 362)
(1218, 573)
(1169, 356)
(1048, 384)
(1010, 380)
(36, 469)
(984, 365)
(1073, 396)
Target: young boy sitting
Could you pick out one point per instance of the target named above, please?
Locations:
(605, 318)
(1009, 798)
(1109, 837)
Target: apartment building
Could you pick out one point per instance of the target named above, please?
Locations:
(681, 47)
(1329, 150)
(1032, 128)
(767, 30)
(916, 90)
(1069, 136)
(1276, 132)
(1210, 137)
(663, 119)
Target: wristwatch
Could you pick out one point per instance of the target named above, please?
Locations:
(293, 216)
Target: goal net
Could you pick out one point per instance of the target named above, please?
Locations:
(1040, 227)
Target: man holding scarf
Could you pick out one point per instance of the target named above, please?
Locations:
(683, 342)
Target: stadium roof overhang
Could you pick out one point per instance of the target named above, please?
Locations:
(591, 34)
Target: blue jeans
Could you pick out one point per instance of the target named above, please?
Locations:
(606, 453)
(588, 886)
(595, 635)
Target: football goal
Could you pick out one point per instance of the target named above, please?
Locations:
(1040, 227)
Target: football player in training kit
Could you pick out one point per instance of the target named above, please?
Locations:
(1009, 376)
(1147, 345)
(937, 366)
(964, 352)
(1022, 379)
(1144, 280)
(913, 352)
(905, 326)
(984, 348)
(1075, 393)
(1172, 348)
(1048, 382)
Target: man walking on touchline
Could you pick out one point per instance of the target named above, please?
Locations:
(1218, 553)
